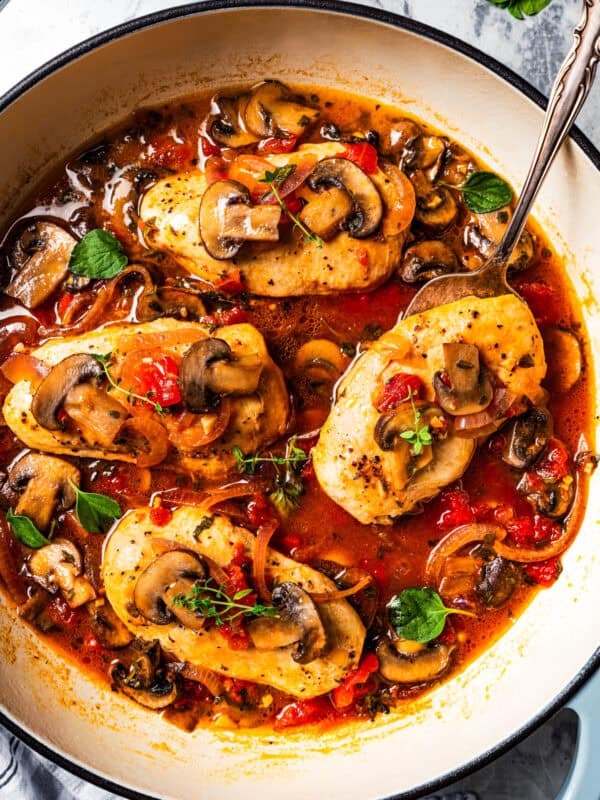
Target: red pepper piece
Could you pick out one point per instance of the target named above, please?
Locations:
(274, 145)
(363, 154)
(356, 684)
(303, 712)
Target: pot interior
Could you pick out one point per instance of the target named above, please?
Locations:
(522, 673)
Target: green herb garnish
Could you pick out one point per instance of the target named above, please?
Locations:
(94, 511)
(419, 615)
(522, 8)
(218, 606)
(294, 457)
(25, 531)
(98, 255)
(132, 397)
(484, 192)
(420, 435)
(274, 180)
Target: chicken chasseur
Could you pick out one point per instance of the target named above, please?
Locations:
(236, 484)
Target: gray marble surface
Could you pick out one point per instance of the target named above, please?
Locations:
(32, 31)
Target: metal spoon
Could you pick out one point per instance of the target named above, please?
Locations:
(570, 90)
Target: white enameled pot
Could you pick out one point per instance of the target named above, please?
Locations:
(552, 648)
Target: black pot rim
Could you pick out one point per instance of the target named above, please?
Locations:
(412, 26)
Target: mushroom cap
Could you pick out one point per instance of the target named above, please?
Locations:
(51, 393)
(194, 377)
(297, 607)
(43, 481)
(145, 681)
(215, 199)
(528, 435)
(406, 662)
(172, 573)
(344, 174)
(271, 111)
(464, 387)
(428, 259)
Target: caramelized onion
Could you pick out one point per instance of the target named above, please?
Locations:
(453, 541)
(151, 432)
(206, 500)
(189, 434)
(483, 423)
(23, 367)
(525, 555)
(259, 560)
(293, 181)
(340, 594)
(208, 678)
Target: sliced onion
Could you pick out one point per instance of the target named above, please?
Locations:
(340, 594)
(291, 183)
(483, 423)
(453, 541)
(23, 367)
(259, 560)
(153, 433)
(8, 570)
(160, 545)
(208, 678)
(189, 434)
(526, 556)
(206, 500)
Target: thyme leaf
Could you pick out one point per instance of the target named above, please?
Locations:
(274, 179)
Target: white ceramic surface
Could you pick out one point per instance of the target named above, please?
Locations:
(522, 673)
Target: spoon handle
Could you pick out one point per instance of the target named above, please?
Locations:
(568, 95)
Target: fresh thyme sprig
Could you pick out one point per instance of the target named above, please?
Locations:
(274, 180)
(104, 360)
(419, 436)
(220, 607)
(294, 457)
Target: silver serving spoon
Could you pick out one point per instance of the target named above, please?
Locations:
(570, 90)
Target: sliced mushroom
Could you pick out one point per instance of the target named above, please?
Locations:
(498, 580)
(463, 387)
(227, 219)
(52, 391)
(98, 416)
(226, 124)
(486, 231)
(427, 260)
(45, 481)
(58, 566)
(108, 628)
(272, 111)
(42, 255)
(391, 426)
(298, 624)
(458, 165)
(208, 369)
(402, 134)
(564, 357)
(424, 152)
(436, 207)
(169, 301)
(550, 499)
(172, 574)
(320, 362)
(367, 204)
(408, 662)
(527, 435)
(145, 681)
(325, 214)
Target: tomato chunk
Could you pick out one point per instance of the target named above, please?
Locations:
(398, 389)
(455, 510)
(259, 510)
(160, 515)
(61, 613)
(544, 573)
(303, 712)
(157, 380)
(363, 154)
(209, 148)
(275, 145)
(356, 684)
(554, 463)
(531, 532)
(165, 151)
(232, 283)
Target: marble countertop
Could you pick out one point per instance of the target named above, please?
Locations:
(33, 31)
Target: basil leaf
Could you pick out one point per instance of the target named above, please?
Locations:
(419, 614)
(521, 8)
(95, 511)
(98, 255)
(485, 192)
(25, 531)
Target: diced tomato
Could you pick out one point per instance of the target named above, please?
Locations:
(91, 643)
(164, 151)
(61, 613)
(259, 510)
(535, 531)
(554, 463)
(362, 254)
(160, 515)
(541, 299)
(455, 510)
(289, 542)
(544, 573)
(376, 568)
(363, 154)
(209, 148)
(192, 693)
(232, 283)
(293, 206)
(65, 301)
(303, 712)
(493, 511)
(239, 556)
(356, 684)
(274, 145)
(399, 388)
(158, 380)
(215, 170)
(236, 637)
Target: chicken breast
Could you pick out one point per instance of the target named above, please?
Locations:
(256, 419)
(351, 466)
(129, 551)
(169, 217)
